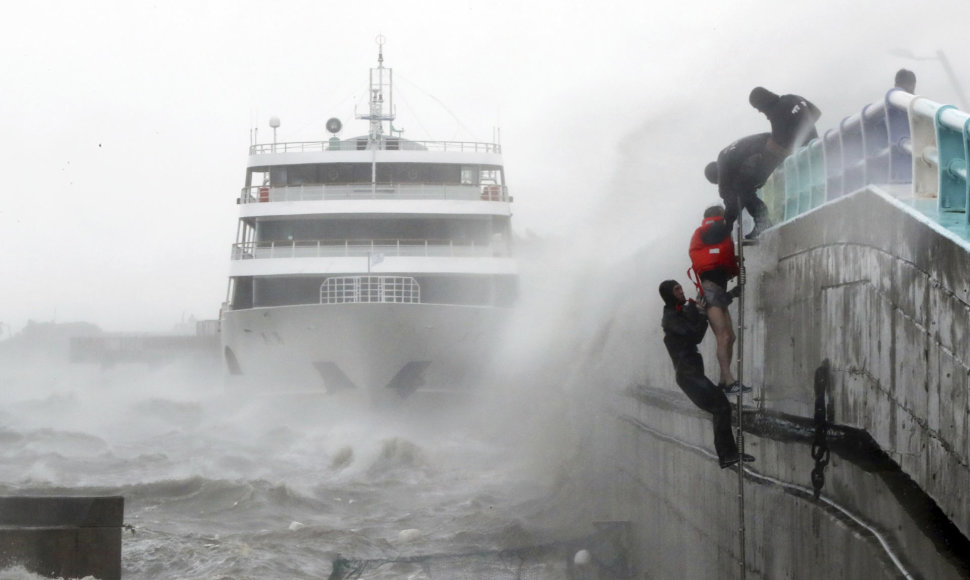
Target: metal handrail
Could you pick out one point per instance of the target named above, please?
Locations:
(361, 248)
(900, 139)
(346, 191)
(388, 145)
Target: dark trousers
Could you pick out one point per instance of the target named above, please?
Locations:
(749, 176)
(706, 395)
(749, 201)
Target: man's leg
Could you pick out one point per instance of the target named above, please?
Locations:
(723, 328)
(724, 443)
(732, 208)
(759, 211)
(703, 393)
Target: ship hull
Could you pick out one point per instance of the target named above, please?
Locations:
(384, 350)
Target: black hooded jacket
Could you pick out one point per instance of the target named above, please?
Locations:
(793, 121)
(684, 327)
(745, 165)
(792, 117)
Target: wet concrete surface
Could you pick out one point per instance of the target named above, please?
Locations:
(868, 514)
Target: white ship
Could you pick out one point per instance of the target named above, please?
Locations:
(373, 263)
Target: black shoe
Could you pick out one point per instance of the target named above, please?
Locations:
(725, 463)
(733, 388)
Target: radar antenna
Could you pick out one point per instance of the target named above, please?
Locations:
(381, 91)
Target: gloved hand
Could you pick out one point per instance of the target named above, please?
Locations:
(735, 292)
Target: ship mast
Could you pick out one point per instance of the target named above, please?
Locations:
(381, 91)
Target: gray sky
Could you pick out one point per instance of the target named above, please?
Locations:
(126, 124)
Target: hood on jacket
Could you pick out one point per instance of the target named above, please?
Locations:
(667, 292)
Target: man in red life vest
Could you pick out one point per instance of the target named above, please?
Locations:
(712, 259)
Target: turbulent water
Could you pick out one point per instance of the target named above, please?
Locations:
(221, 485)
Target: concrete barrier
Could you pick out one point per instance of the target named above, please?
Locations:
(884, 295)
(62, 537)
(864, 282)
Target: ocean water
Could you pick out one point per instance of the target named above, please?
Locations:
(222, 484)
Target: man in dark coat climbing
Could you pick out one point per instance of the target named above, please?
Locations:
(684, 325)
(745, 165)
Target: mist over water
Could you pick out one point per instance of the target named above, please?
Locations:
(220, 483)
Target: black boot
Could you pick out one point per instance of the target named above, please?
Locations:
(731, 460)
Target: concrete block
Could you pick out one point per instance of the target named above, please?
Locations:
(961, 415)
(940, 327)
(883, 418)
(911, 364)
(884, 355)
(830, 310)
(957, 508)
(935, 471)
(949, 393)
(64, 537)
(856, 316)
(934, 383)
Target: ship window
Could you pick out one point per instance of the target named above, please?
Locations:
(412, 173)
(277, 176)
(301, 175)
(242, 293)
(257, 177)
(328, 173)
(491, 176)
(334, 173)
(362, 173)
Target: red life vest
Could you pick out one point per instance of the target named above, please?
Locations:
(705, 258)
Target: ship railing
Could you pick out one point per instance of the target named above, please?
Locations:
(361, 144)
(364, 248)
(263, 194)
(370, 289)
(901, 139)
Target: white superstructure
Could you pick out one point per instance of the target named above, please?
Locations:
(372, 262)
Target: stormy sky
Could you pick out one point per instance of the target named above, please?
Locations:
(126, 124)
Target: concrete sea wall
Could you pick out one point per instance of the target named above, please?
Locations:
(885, 297)
(871, 287)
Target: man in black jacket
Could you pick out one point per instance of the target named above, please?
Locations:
(740, 170)
(792, 118)
(684, 325)
(745, 165)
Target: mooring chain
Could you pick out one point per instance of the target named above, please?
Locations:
(820, 447)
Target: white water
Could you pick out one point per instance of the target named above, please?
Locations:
(218, 485)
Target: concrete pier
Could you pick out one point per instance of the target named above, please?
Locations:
(863, 287)
(62, 537)
(867, 284)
